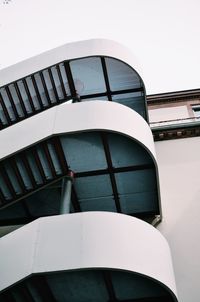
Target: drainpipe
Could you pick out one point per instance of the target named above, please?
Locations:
(66, 193)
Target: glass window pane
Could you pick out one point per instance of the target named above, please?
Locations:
(139, 202)
(121, 76)
(132, 101)
(16, 100)
(2, 116)
(4, 188)
(196, 111)
(13, 178)
(98, 98)
(23, 173)
(33, 93)
(7, 104)
(64, 77)
(41, 89)
(98, 204)
(49, 85)
(45, 202)
(133, 287)
(24, 96)
(84, 152)
(13, 211)
(54, 157)
(126, 152)
(88, 76)
(44, 163)
(136, 181)
(34, 168)
(77, 286)
(93, 186)
(57, 82)
(33, 290)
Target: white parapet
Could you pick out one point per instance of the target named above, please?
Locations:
(78, 117)
(99, 240)
(69, 51)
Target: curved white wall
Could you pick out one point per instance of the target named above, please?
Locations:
(69, 118)
(93, 47)
(85, 240)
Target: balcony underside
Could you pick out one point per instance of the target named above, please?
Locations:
(87, 285)
(113, 172)
(86, 257)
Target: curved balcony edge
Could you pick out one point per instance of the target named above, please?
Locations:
(89, 240)
(78, 117)
(69, 51)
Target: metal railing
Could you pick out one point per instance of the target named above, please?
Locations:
(187, 120)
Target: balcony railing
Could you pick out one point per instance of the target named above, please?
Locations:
(174, 122)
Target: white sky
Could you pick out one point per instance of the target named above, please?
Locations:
(164, 35)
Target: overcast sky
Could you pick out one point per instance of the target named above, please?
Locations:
(164, 35)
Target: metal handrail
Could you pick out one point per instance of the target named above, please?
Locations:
(175, 121)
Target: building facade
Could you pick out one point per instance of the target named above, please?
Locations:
(84, 200)
(175, 124)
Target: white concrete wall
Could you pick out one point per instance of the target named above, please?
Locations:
(84, 241)
(63, 119)
(179, 167)
(168, 113)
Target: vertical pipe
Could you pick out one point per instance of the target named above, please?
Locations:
(66, 193)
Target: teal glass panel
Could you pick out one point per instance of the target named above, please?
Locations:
(84, 152)
(44, 163)
(88, 75)
(93, 187)
(41, 89)
(74, 286)
(126, 152)
(98, 98)
(49, 85)
(32, 289)
(4, 188)
(64, 77)
(34, 168)
(136, 181)
(23, 173)
(98, 204)
(7, 104)
(132, 101)
(131, 287)
(45, 202)
(141, 202)
(16, 294)
(54, 157)
(2, 116)
(33, 93)
(12, 176)
(121, 76)
(14, 211)
(57, 82)
(24, 96)
(16, 100)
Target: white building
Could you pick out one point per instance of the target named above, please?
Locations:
(75, 138)
(176, 131)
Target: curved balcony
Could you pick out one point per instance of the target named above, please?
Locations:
(83, 71)
(108, 146)
(94, 256)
